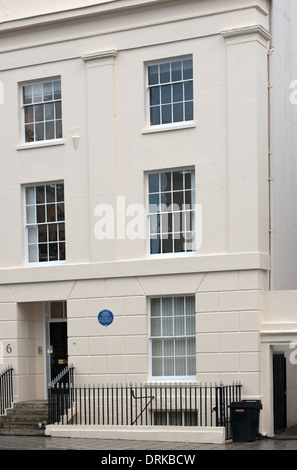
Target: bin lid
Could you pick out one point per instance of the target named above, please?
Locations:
(256, 404)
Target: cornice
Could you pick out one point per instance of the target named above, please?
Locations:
(99, 55)
(246, 32)
(74, 13)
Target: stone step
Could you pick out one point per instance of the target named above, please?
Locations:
(23, 418)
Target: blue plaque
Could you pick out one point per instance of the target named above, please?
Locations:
(105, 317)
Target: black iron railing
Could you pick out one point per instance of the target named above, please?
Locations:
(145, 404)
(59, 402)
(6, 389)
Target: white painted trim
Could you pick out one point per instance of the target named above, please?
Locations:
(190, 434)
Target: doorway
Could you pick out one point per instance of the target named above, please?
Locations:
(56, 338)
(279, 392)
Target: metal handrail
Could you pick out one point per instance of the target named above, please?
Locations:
(6, 389)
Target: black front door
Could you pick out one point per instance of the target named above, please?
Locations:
(58, 349)
(279, 392)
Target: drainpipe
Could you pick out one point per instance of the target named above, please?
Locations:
(270, 153)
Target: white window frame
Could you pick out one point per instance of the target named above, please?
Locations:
(168, 378)
(27, 225)
(43, 102)
(192, 214)
(174, 124)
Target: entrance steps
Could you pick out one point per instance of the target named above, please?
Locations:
(23, 419)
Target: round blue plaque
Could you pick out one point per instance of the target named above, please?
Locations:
(105, 317)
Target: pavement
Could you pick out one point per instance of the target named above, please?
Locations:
(100, 448)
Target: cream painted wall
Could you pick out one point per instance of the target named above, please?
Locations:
(104, 104)
(114, 154)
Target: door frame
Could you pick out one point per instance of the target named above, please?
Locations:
(47, 320)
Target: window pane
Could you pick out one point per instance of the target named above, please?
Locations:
(190, 325)
(58, 129)
(157, 367)
(165, 72)
(166, 181)
(53, 232)
(179, 244)
(187, 69)
(37, 92)
(178, 200)
(178, 180)
(62, 232)
(47, 91)
(166, 114)
(179, 326)
(191, 364)
(53, 251)
(40, 197)
(168, 347)
(167, 307)
(27, 94)
(155, 223)
(167, 326)
(189, 111)
(30, 215)
(60, 192)
(154, 96)
(49, 111)
(180, 347)
(39, 131)
(49, 130)
(32, 252)
(157, 347)
(166, 201)
(29, 114)
(153, 74)
(178, 94)
(50, 193)
(62, 251)
(154, 182)
(188, 91)
(166, 94)
(51, 213)
(43, 253)
(40, 214)
(169, 366)
(154, 202)
(178, 306)
(32, 234)
(58, 109)
(176, 68)
(42, 233)
(180, 366)
(30, 195)
(155, 245)
(178, 112)
(155, 118)
(60, 212)
(57, 89)
(155, 307)
(191, 346)
(29, 133)
(190, 305)
(155, 326)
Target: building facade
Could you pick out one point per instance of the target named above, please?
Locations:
(148, 196)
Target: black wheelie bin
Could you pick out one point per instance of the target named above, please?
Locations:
(245, 420)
